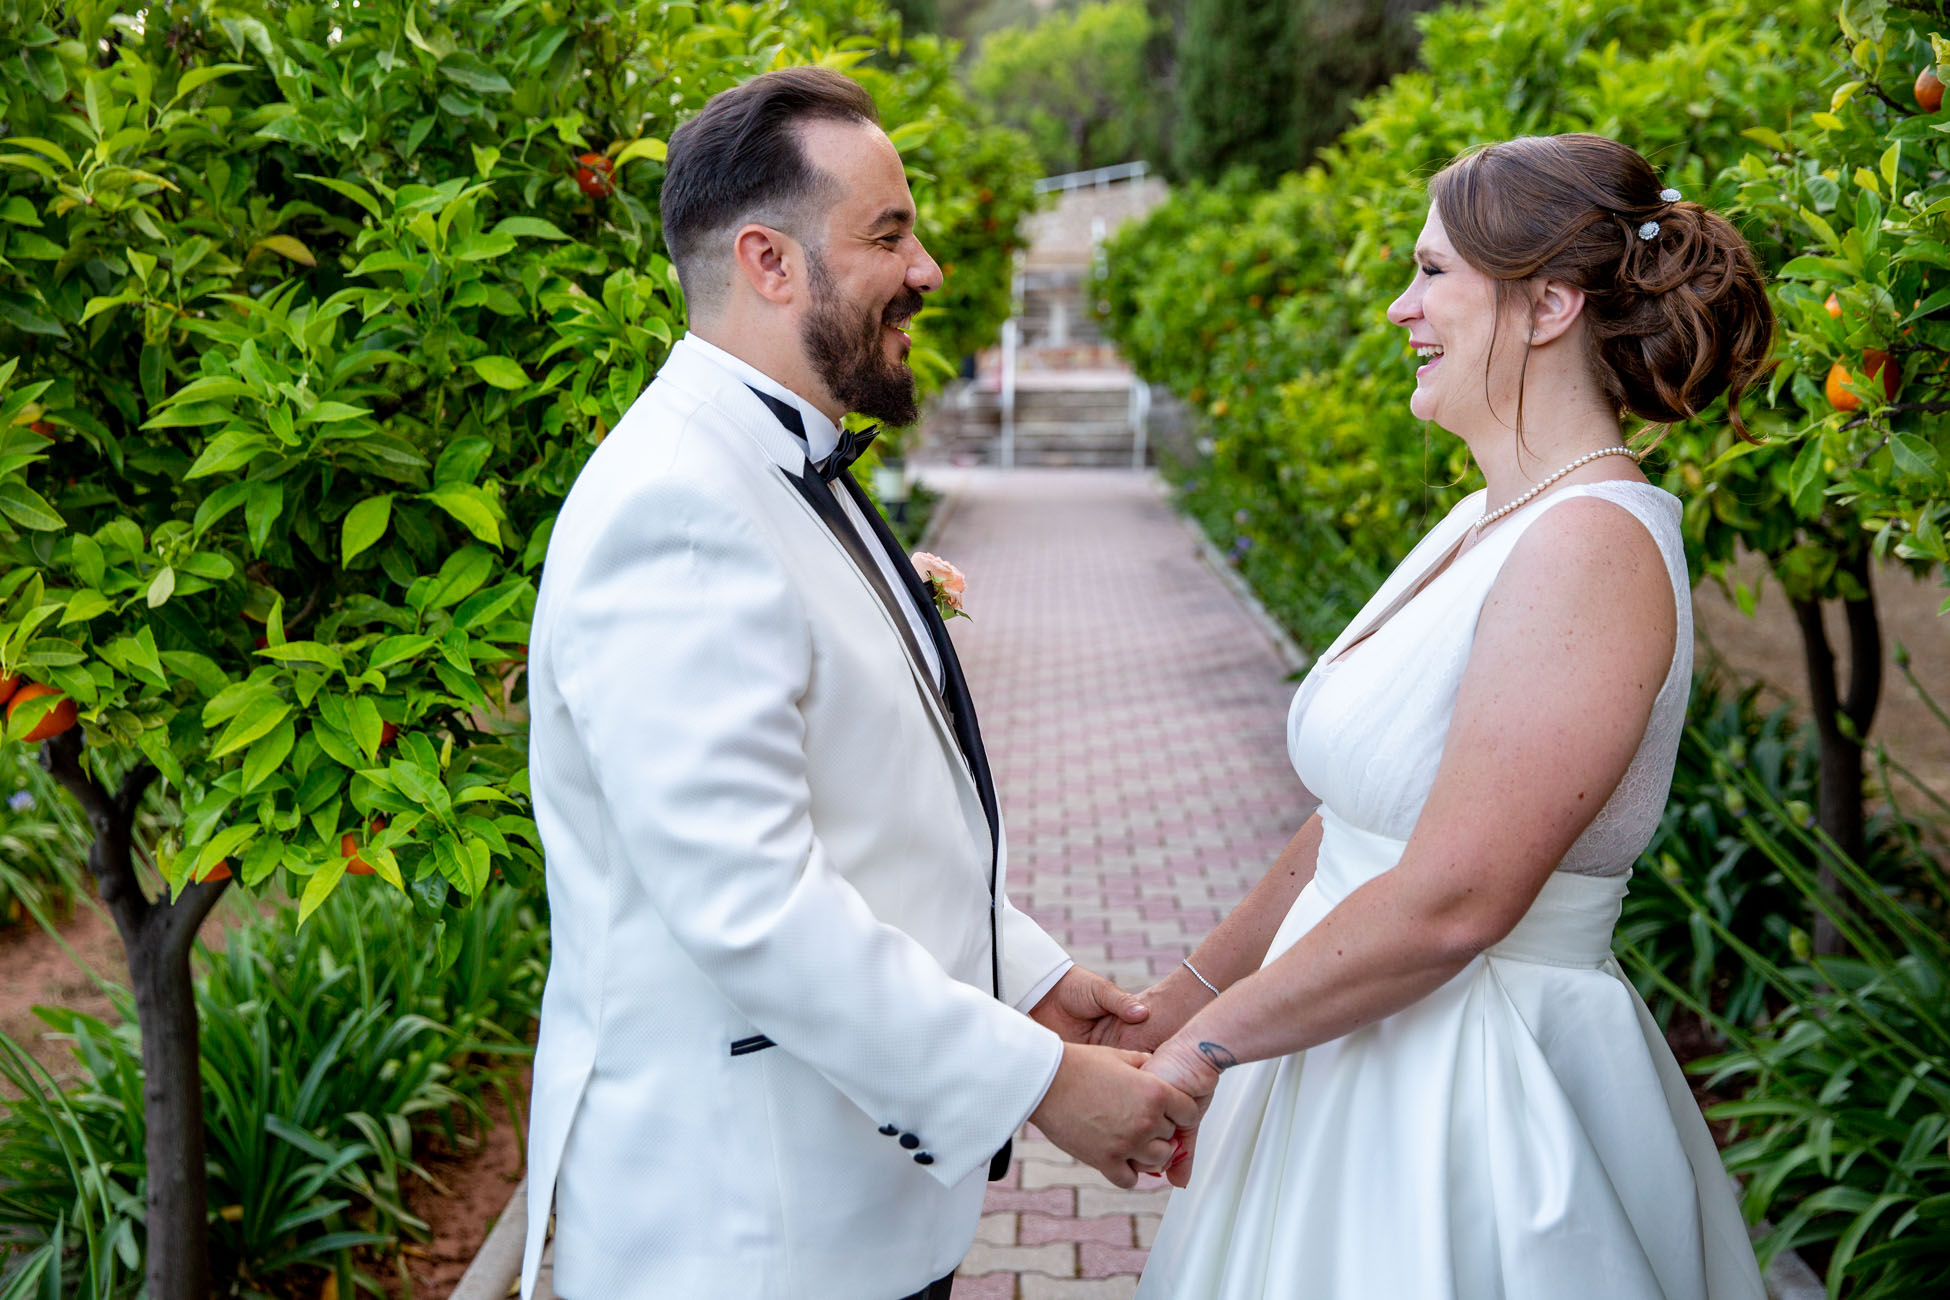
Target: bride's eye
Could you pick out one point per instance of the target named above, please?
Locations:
(1431, 270)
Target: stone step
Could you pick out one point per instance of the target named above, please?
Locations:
(1072, 429)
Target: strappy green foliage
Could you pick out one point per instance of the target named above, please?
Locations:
(327, 1049)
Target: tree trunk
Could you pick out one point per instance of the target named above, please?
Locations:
(1842, 723)
(156, 937)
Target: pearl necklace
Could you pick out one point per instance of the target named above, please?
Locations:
(1585, 459)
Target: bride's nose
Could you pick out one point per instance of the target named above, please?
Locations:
(1405, 308)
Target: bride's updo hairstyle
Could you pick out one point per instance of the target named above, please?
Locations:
(1675, 309)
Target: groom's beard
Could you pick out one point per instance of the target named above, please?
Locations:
(849, 354)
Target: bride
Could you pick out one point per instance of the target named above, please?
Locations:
(1436, 1081)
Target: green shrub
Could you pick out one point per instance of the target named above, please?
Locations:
(1264, 308)
(1840, 1134)
(327, 1048)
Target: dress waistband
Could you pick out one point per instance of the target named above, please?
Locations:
(1569, 924)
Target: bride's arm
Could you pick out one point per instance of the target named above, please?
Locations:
(1573, 644)
(1233, 950)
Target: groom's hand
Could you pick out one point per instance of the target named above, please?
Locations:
(1104, 1110)
(1084, 1007)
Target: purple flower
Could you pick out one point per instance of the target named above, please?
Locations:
(21, 800)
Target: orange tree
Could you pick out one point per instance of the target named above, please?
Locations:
(309, 314)
(1850, 203)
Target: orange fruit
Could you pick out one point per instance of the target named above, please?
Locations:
(349, 848)
(593, 175)
(387, 733)
(1874, 362)
(1929, 89)
(221, 871)
(1834, 306)
(8, 685)
(56, 722)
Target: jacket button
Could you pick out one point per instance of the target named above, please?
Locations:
(888, 1130)
(909, 1141)
(923, 1158)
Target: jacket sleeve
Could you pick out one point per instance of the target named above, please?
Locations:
(682, 652)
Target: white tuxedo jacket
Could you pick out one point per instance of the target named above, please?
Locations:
(771, 1066)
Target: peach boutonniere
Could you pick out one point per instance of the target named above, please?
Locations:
(944, 581)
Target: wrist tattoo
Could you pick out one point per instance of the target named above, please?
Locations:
(1220, 1058)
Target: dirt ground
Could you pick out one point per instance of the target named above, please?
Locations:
(1767, 648)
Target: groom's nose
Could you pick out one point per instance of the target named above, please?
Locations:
(923, 272)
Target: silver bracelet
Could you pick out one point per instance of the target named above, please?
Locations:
(1200, 978)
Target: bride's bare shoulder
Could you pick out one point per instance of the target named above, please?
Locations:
(1588, 576)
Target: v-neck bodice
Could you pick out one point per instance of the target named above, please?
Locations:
(1367, 729)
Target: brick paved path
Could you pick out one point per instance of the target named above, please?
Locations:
(1135, 718)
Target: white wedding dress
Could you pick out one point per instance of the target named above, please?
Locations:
(1521, 1133)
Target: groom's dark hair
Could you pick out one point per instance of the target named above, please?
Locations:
(740, 159)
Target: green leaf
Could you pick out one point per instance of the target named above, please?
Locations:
(332, 412)
(201, 670)
(286, 247)
(320, 887)
(365, 524)
(258, 718)
(349, 190)
(1914, 458)
(222, 845)
(225, 452)
(162, 586)
(367, 726)
(395, 648)
(266, 753)
(528, 228)
(85, 604)
(469, 506)
(28, 508)
(645, 147)
(466, 70)
(1805, 478)
(196, 78)
(18, 210)
(304, 652)
(502, 372)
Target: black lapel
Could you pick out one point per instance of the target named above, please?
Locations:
(819, 495)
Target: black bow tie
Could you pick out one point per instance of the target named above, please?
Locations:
(849, 449)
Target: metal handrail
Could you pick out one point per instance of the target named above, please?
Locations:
(1096, 176)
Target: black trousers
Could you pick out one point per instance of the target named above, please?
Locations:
(935, 1290)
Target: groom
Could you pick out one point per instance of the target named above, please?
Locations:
(784, 1041)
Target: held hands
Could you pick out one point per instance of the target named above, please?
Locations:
(1170, 1002)
(1110, 1114)
(1193, 1069)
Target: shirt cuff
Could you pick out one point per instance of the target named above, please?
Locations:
(1042, 988)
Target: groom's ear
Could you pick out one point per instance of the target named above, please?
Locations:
(770, 261)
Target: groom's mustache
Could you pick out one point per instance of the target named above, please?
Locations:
(902, 309)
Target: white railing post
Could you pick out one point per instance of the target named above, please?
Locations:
(1009, 331)
(1140, 421)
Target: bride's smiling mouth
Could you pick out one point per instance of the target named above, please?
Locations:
(1431, 354)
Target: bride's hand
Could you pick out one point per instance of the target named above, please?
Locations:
(1193, 1069)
